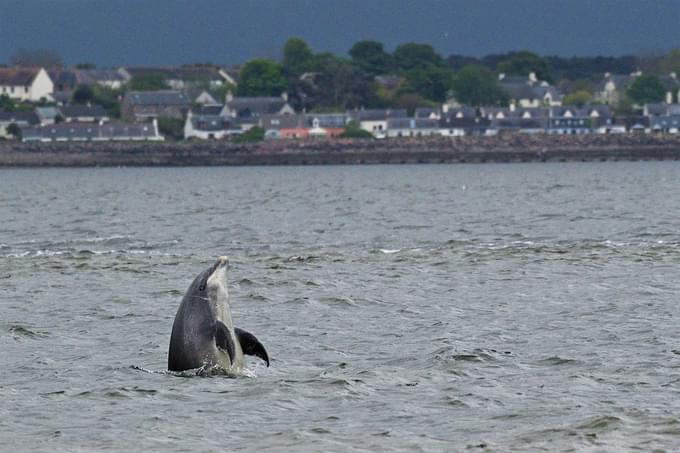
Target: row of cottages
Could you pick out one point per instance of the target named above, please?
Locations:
(612, 88)
(236, 115)
(26, 84)
(196, 79)
(143, 105)
(45, 116)
(92, 132)
(179, 78)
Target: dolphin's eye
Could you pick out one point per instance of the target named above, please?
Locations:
(202, 287)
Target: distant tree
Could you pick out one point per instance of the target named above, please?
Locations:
(591, 68)
(252, 135)
(524, 62)
(352, 130)
(262, 78)
(14, 130)
(172, 128)
(578, 98)
(6, 103)
(411, 101)
(458, 62)
(45, 58)
(671, 62)
(297, 57)
(477, 86)
(370, 57)
(148, 82)
(624, 107)
(432, 82)
(342, 85)
(86, 66)
(107, 98)
(416, 56)
(83, 94)
(646, 88)
(582, 85)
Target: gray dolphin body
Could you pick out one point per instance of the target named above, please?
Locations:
(203, 334)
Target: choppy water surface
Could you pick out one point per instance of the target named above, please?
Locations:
(412, 308)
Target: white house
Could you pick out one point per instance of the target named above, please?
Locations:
(26, 84)
(375, 121)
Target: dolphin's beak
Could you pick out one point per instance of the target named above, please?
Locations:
(222, 261)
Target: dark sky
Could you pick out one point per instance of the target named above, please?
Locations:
(158, 32)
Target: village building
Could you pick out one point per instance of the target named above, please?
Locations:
(76, 113)
(284, 126)
(669, 124)
(26, 84)
(107, 78)
(520, 124)
(375, 121)
(412, 127)
(427, 112)
(327, 125)
(612, 88)
(255, 107)
(142, 105)
(529, 91)
(179, 78)
(92, 132)
(47, 115)
(458, 112)
(21, 119)
(458, 126)
(209, 123)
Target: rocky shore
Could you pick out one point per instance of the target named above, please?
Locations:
(503, 148)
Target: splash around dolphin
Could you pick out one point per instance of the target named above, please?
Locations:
(203, 334)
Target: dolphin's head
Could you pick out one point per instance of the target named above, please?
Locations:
(216, 275)
(212, 280)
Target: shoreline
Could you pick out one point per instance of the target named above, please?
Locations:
(498, 149)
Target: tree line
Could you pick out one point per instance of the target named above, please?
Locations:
(413, 75)
(324, 81)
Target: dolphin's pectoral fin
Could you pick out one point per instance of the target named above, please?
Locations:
(251, 345)
(223, 339)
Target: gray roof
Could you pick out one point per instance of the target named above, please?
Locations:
(453, 122)
(425, 112)
(520, 123)
(83, 111)
(377, 114)
(90, 131)
(256, 106)
(163, 97)
(279, 122)
(211, 123)
(465, 111)
(18, 76)
(63, 77)
(412, 123)
(185, 73)
(669, 83)
(20, 118)
(338, 120)
(213, 110)
(47, 112)
(92, 76)
(665, 122)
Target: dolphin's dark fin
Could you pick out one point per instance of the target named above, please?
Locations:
(223, 339)
(251, 345)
